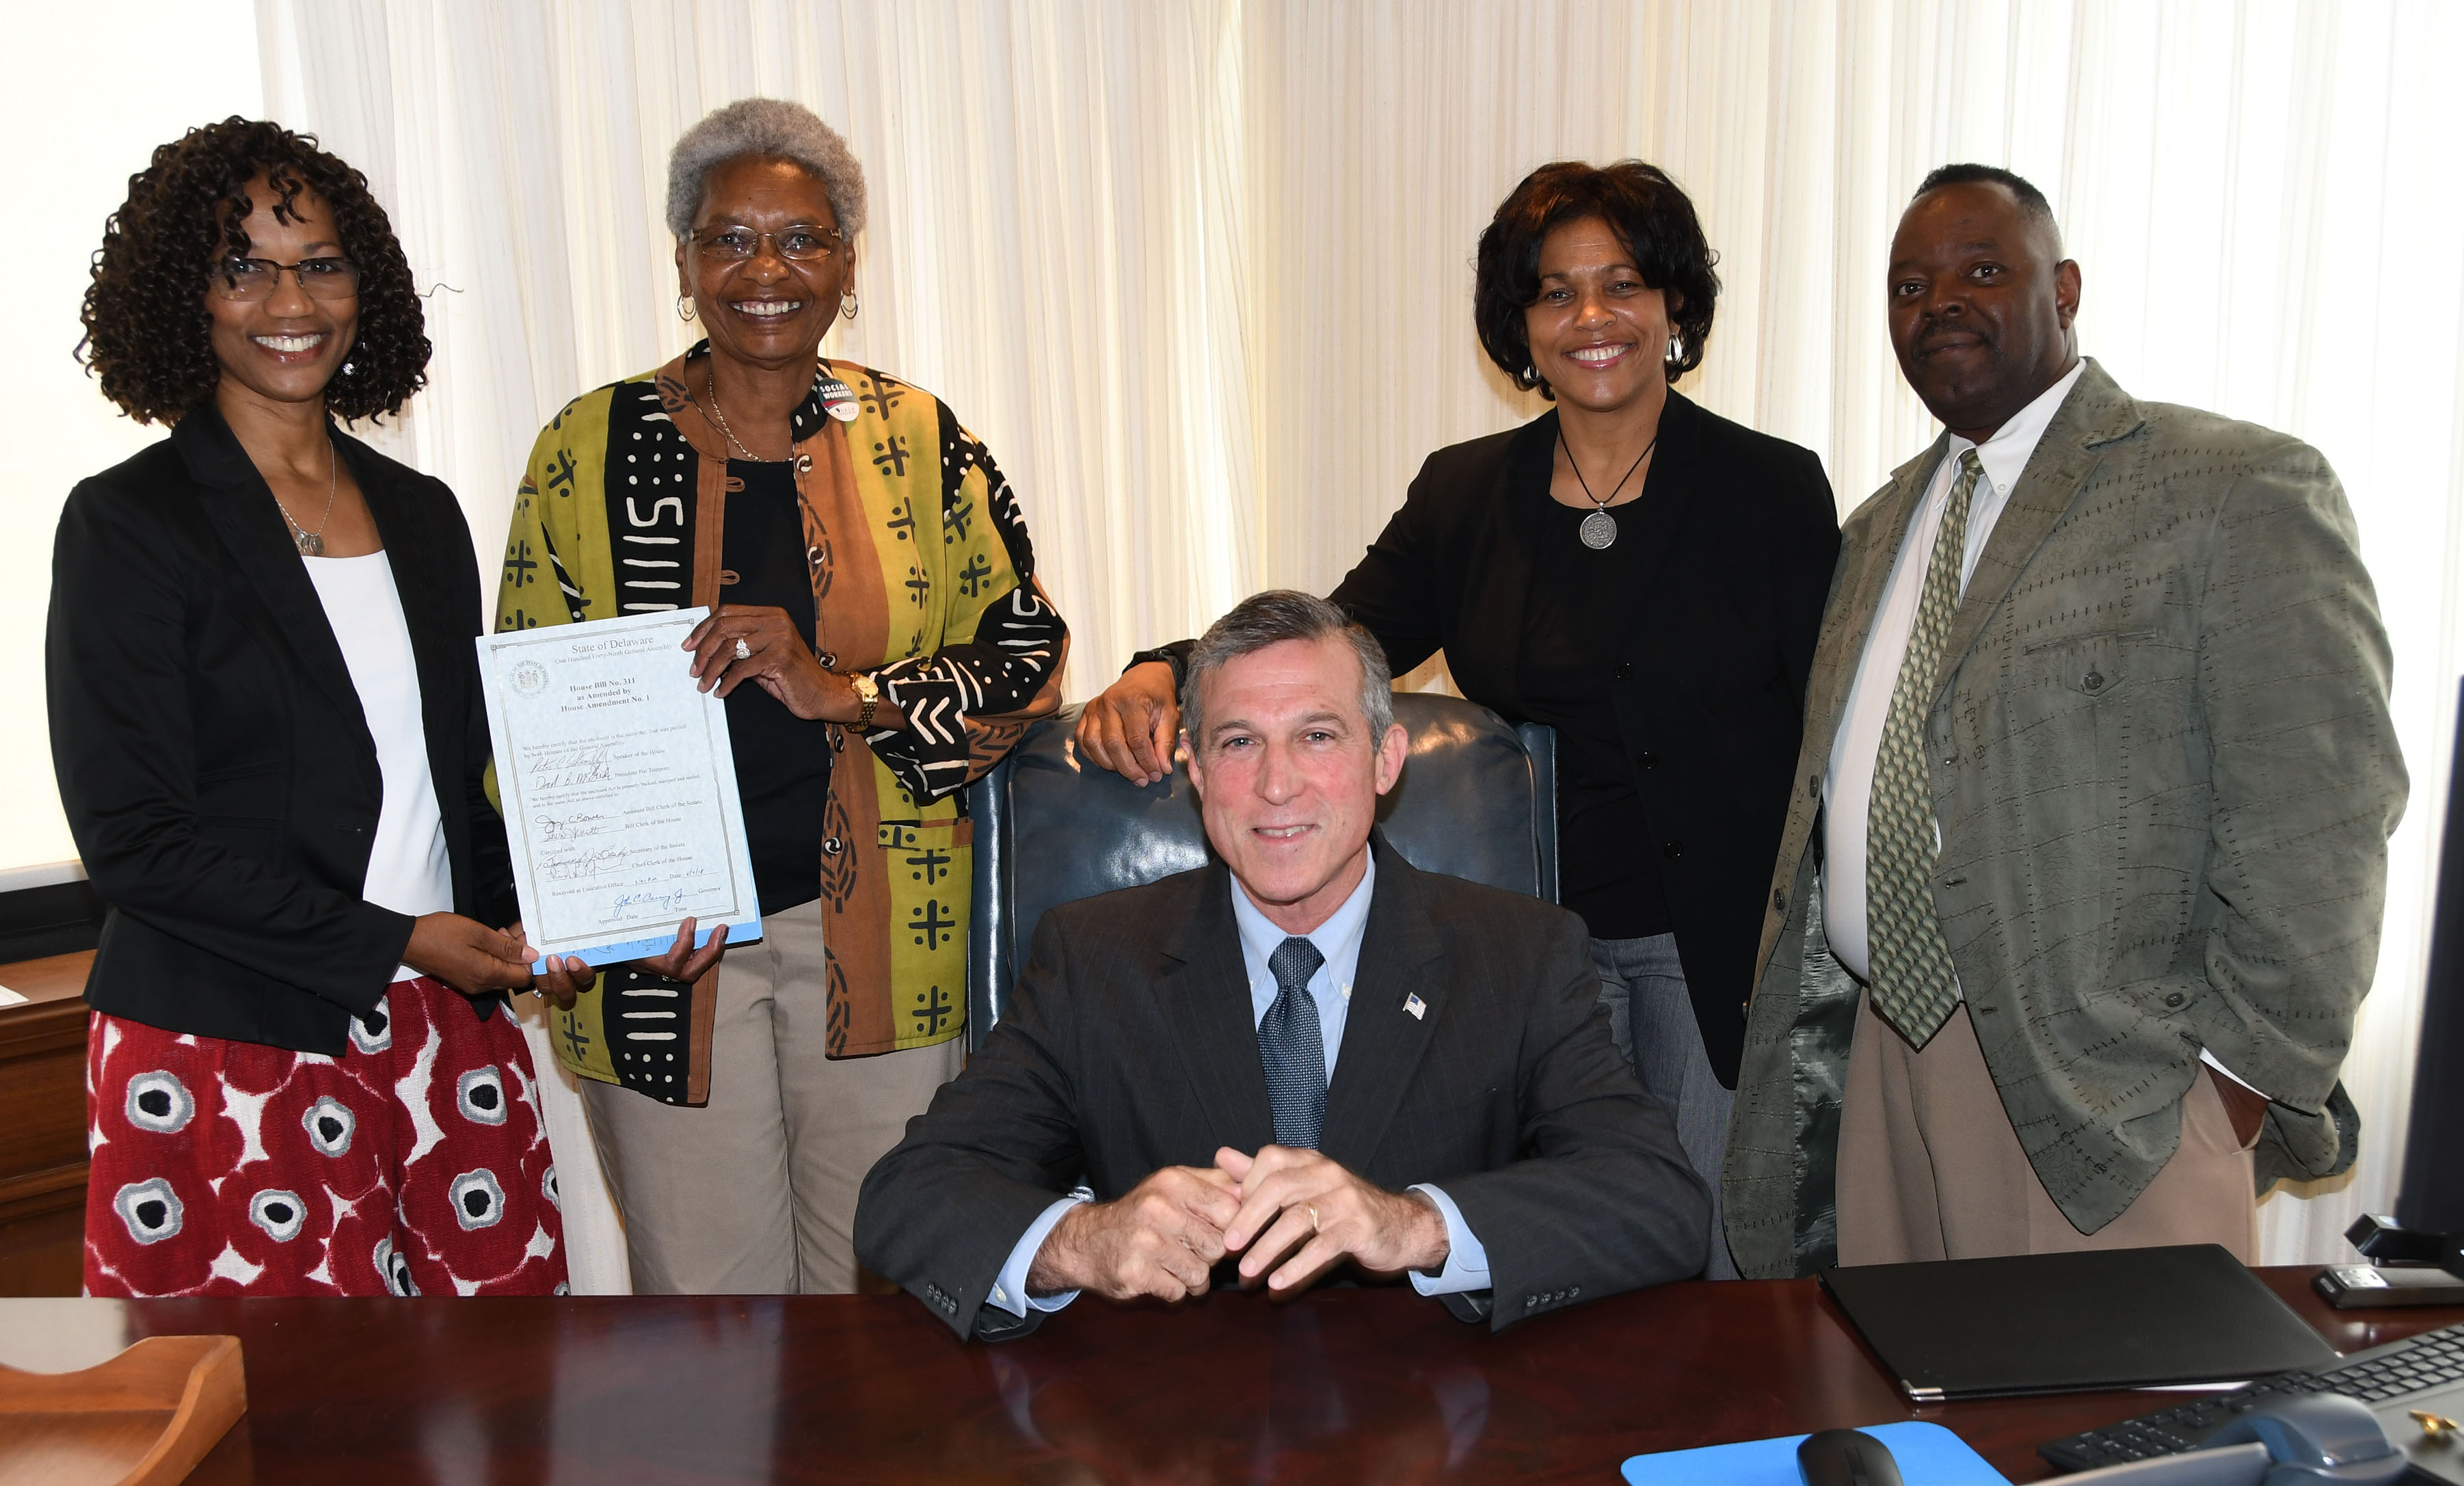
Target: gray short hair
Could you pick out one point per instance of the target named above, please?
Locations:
(1271, 618)
(769, 128)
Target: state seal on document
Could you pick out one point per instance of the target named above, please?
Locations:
(530, 678)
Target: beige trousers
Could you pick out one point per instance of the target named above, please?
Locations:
(1930, 1168)
(754, 1193)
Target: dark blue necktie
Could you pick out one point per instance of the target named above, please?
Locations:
(1293, 1047)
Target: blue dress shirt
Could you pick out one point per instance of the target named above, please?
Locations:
(1338, 940)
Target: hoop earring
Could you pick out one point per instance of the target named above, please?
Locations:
(847, 307)
(685, 307)
(1676, 349)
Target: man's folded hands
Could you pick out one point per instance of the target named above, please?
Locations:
(1292, 1215)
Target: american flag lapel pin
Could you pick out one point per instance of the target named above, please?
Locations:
(1416, 1005)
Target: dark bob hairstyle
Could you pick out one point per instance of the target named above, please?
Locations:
(1646, 210)
(148, 335)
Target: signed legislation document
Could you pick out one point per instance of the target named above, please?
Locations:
(618, 787)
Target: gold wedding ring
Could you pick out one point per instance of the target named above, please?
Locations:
(1312, 1212)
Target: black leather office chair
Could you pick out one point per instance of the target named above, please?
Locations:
(1478, 799)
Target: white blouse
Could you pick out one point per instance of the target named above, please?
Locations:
(407, 868)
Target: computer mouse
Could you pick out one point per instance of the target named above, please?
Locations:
(2316, 1437)
(1846, 1458)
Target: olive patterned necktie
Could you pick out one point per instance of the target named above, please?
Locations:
(1292, 1045)
(1913, 983)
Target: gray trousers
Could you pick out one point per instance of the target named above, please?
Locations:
(754, 1193)
(1651, 1014)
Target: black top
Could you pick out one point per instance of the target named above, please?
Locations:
(1702, 650)
(1569, 648)
(782, 762)
(1707, 642)
(211, 753)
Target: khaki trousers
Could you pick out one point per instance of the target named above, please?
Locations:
(1930, 1168)
(754, 1193)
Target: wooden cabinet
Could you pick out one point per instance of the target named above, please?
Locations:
(42, 1126)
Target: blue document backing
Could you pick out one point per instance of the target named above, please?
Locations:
(741, 931)
(1928, 1455)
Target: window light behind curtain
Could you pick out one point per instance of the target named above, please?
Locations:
(1199, 271)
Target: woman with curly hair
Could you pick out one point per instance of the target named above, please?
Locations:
(1642, 576)
(880, 639)
(269, 736)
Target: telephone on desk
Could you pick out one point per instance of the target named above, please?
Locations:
(2304, 1439)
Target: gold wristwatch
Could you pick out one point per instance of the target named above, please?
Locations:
(868, 692)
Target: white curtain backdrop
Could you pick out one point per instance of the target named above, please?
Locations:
(1199, 271)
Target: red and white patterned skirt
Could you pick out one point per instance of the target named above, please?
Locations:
(415, 1164)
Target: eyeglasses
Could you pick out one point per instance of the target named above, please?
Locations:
(256, 279)
(796, 244)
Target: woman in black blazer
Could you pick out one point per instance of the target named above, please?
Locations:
(269, 737)
(1642, 576)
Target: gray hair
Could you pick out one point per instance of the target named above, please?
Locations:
(1271, 618)
(767, 128)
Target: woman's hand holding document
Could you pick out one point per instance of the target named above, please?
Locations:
(618, 789)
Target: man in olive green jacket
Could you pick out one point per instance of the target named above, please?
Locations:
(2125, 656)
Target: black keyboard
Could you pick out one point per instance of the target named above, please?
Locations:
(2382, 1374)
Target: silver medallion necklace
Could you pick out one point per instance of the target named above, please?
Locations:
(1600, 528)
(311, 543)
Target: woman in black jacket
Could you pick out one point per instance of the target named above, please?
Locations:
(269, 737)
(1642, 576)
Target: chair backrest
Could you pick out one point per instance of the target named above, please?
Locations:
(1478, 799)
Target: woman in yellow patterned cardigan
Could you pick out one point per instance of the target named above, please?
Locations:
(880, 640)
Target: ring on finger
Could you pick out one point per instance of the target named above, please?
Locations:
(743, 652)
(1312, 1212)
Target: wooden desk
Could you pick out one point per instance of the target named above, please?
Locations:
(1348, 1385)
(42, 1126)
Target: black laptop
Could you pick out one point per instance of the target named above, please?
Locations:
(2072, 1323)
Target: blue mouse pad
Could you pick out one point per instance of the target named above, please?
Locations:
(1928, 1455)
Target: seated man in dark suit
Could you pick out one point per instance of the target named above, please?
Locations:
(1306, 1054)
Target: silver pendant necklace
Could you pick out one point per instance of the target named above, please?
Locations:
(311, 543)
(1600, 528)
